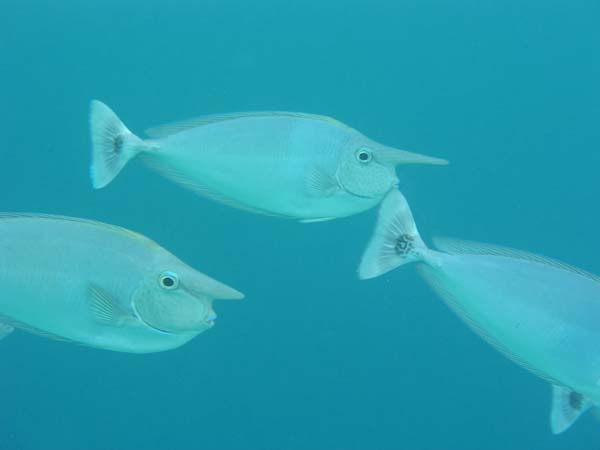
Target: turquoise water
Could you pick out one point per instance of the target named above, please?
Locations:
(313, 358)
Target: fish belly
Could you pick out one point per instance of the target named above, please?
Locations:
(541, 316)
(45, 304)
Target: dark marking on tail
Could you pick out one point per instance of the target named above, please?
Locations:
(575, 400)
(404, 244)
(118, 144)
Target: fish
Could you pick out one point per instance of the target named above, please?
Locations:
(541, 313)
(100, 285)
(298, 166)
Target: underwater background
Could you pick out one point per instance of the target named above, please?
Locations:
(312, 358)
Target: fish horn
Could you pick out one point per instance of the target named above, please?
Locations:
(394, 156)
(212, 288)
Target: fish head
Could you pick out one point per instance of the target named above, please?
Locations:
(178, 299)
(368, 169)
(361, 173)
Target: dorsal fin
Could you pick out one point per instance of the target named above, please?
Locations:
(106, 226)
(457, 246)
(179, 126)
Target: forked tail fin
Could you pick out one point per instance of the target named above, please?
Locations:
(567, 406)
(395, 241)
(113, 145)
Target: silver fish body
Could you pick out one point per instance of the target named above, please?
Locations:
(100, 285)
(541, 313)
(292, 165)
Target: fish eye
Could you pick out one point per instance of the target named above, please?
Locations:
(168, 280)
(364, 155)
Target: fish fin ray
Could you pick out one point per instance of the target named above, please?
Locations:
(317, 220)
(320, 184)
(105, 308)
(5, 330)
(395, 240)
(113, 228)
(169, 129)
(457, 246)
(567, 406)
(113, 145)
(9, 322)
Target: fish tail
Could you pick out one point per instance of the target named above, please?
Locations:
(567, 406)
(113, 145)
(395, 241)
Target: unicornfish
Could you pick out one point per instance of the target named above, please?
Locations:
(539, 312)
(100, 285)
(299, 166)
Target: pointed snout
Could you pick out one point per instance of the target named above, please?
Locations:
(393, 156)
(211, 317)
(211, 288)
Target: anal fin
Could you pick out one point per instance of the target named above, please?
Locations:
(5, 330)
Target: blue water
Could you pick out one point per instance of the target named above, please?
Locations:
(313, 358)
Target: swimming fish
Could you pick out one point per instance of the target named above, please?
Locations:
(99, 285)
(300, 166)
(541, 313)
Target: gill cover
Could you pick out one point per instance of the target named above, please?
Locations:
(172, 310)
(180, 301)
(365, 178)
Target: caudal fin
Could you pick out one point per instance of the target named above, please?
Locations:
(567, 406)
(395, 241)
(113, 145)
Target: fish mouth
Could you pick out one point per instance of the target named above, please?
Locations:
(210, 320)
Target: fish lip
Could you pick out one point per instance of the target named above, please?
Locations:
(212, 317)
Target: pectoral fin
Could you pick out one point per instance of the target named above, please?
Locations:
(105, 308)
(320, 184)
(567, 406)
